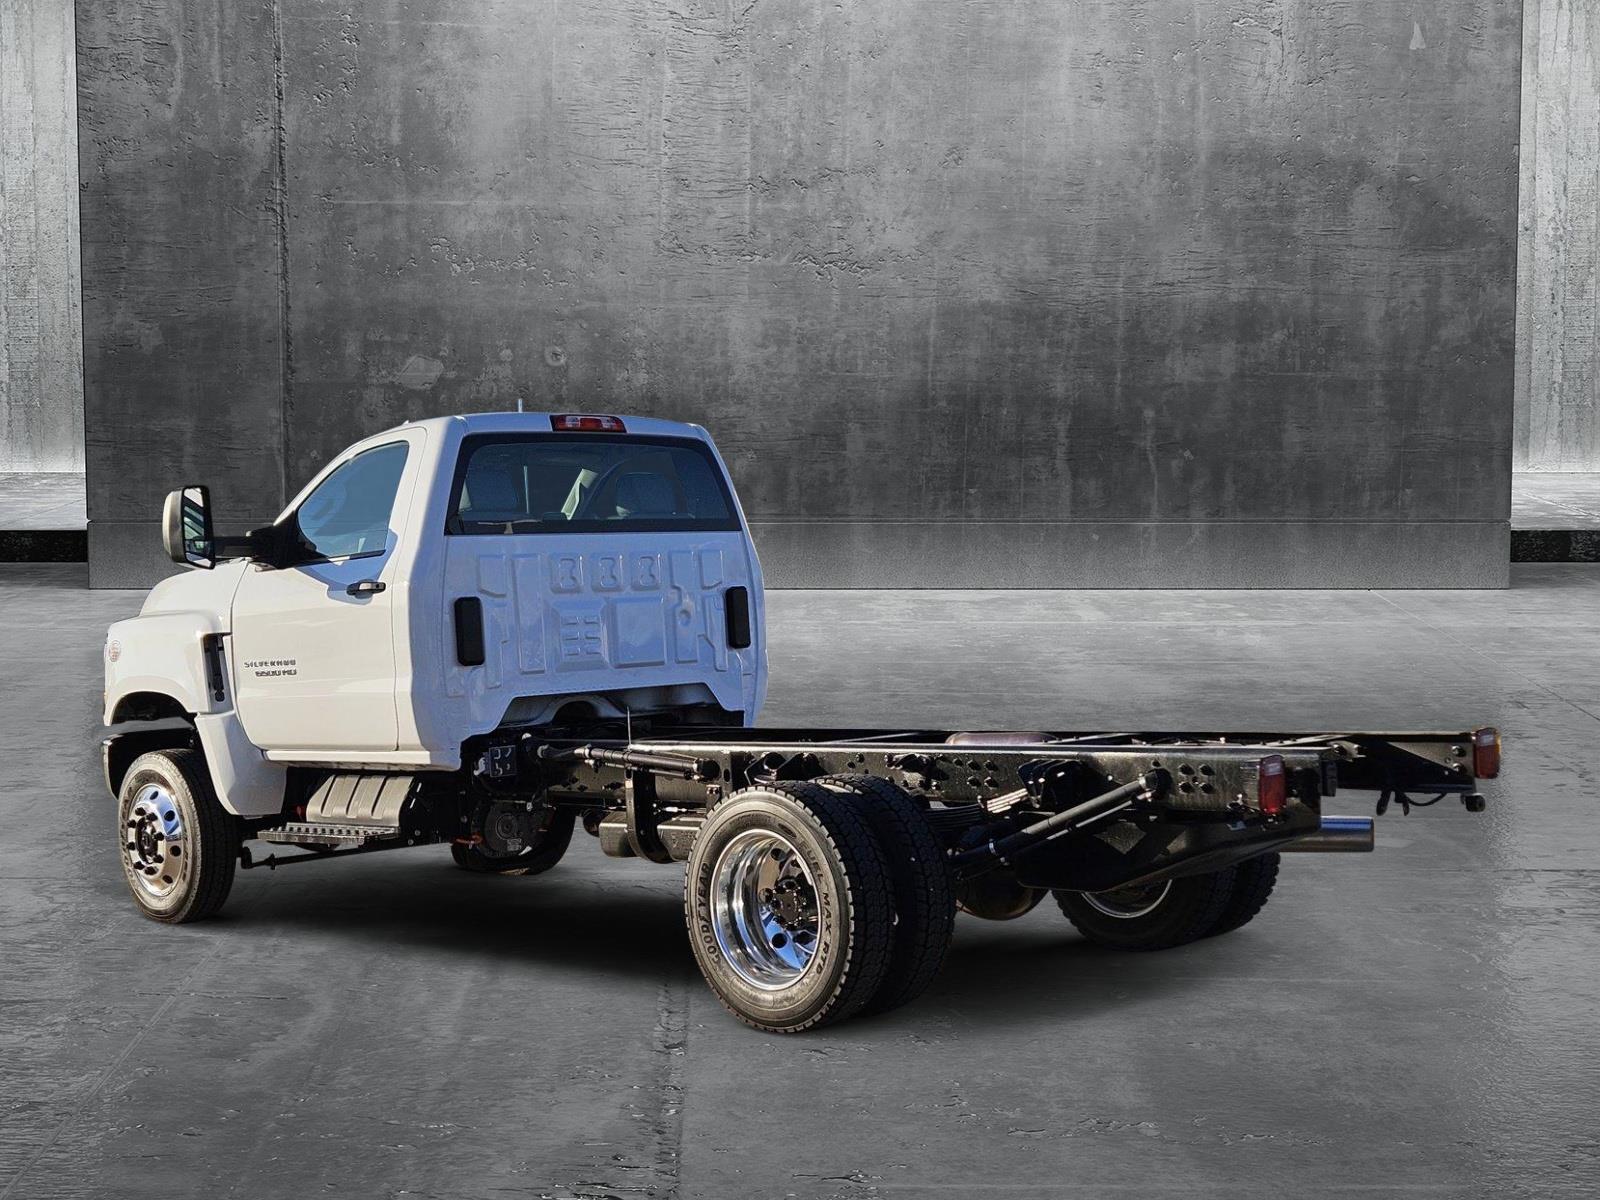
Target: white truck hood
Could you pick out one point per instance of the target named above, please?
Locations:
(209, 592)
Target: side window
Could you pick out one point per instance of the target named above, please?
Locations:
(349, 511)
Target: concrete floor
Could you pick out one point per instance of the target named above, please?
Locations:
(1424, 1020)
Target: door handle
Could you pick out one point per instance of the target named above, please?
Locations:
(366, 587)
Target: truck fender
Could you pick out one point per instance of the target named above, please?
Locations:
(247, 783)
(175, 665)
(162, 654)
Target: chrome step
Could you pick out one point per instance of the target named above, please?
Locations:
(311, 833)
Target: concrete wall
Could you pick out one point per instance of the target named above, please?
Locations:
(184, 344)
(1558, 333)
(41, 348)
(1206, 292)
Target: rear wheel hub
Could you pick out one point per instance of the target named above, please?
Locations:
(1130, 902)
(764, 909)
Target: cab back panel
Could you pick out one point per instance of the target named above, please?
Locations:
(584, 614)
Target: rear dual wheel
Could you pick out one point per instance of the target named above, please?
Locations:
(921, 883)
(811, 902)
(1173, 912)
(788, 904)
(1253, 881)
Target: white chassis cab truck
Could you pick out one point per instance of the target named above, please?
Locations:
(487, 631)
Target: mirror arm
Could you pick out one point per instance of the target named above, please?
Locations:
(273, 546)
(229, 546)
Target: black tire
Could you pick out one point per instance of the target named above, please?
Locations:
(842, 906)
(1253, 881)
(1164, 915)
(535, 860)
(179, 846)
(921, 884)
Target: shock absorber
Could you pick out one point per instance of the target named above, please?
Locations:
(998, 852)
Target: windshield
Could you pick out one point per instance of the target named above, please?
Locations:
(579, 483)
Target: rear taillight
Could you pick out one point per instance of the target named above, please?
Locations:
(586, 423)
(1486, 753)
(1272, 786)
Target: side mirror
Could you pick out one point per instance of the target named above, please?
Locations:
(186, 528)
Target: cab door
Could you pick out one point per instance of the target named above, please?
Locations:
(313, 644)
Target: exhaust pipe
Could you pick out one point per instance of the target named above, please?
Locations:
(1338, 835)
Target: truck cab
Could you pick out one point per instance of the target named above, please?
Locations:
(449, 578)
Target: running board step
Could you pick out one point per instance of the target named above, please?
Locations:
(312, 833)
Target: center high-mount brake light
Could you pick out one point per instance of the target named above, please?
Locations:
(586, 423)
(1272, 786)
(1486, 753)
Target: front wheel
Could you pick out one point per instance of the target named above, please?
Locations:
(789, 907)
(179, 845)
(1154, 916)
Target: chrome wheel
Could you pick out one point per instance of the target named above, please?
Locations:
(1129, 902)
(155, 845)
(764, 909)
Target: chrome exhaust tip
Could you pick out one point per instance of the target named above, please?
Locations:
(1338, 835)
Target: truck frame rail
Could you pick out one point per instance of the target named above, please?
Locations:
(1206, 798)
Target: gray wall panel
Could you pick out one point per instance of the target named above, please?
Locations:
(967, 262)
(181, 252)
(1140, 554)
(41, 347)
(1558, 313)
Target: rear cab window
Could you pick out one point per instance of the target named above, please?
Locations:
(587, 483)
